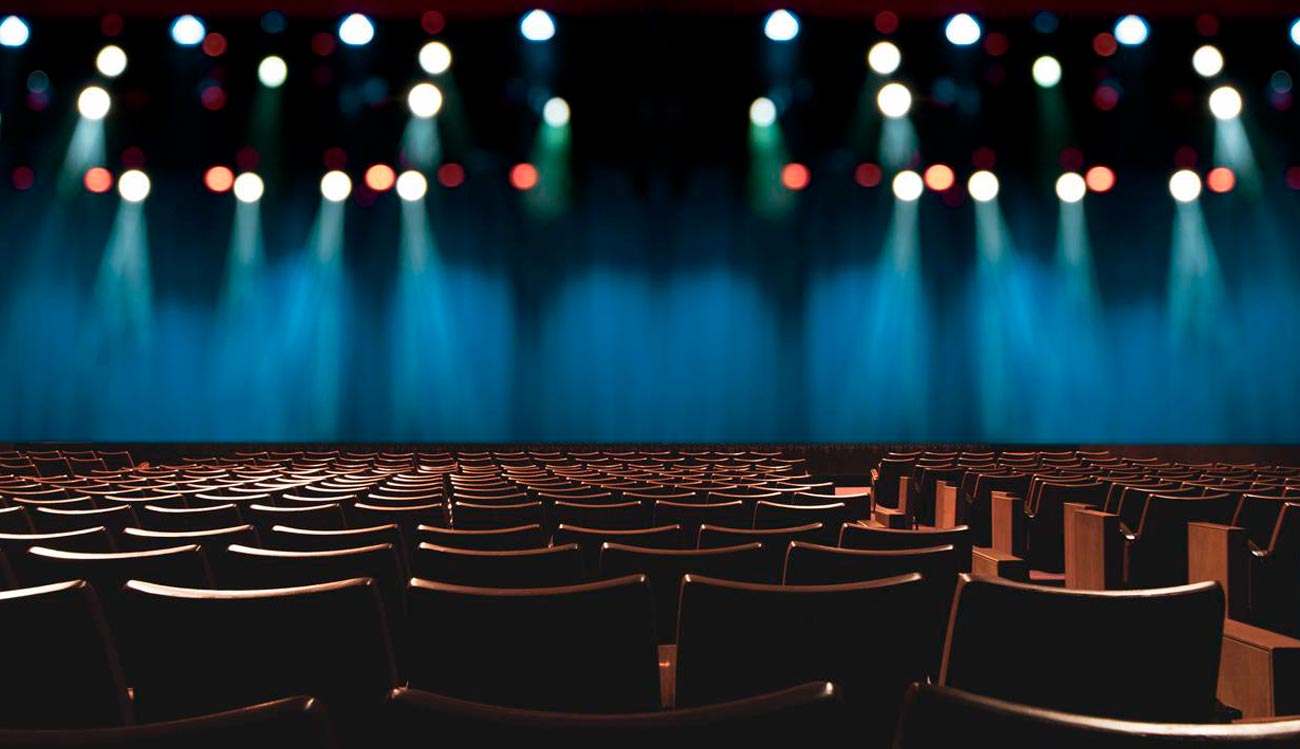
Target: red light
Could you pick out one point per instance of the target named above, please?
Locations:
(214, 45)
(213, 98)
(1207, 24)
(1099, 179)
(335, 158)
(23, 178)
(247, 159)
(323, 44)
(1071, 159)
(1105, 98)
(432, 21)
(1185, 158)
(868, 175)
(1293, 177)
(1104, 44)
(997, 44)
(523, 176)
(984, 158)
(887, 22)
(219, 179)
(380, 177)
(111, 24)
(451, 175)
(1220, 179)
(132, 157)
(98, 180)
(940, 177)
(794, 176)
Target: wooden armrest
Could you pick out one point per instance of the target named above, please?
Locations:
(667, 676)
(945, 505)
(989, 561)
(1219, 552)
(905, 495)
(1094, 549)
(1259, 671)
(1008, 523)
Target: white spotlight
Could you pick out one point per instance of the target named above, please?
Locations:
(1295, 32)
(111, 61)
(884, 58)
(411, 186)
(894, 100)
(248, 188)
(1185, 186)
(424, 100)
(273, 71)
(908, 186)
(781, 26)
(94, 103)
(537, 26)
(983, 186)
(1207, 61)
(1131, 30)
(1047, 71)
(1071, 187)
(188, 31)
(963, 30)
(14, 32)
(133, 186)
(356, 30)
(762, 112)
(435, 58)
(335, 186)
(556, 112)
(1225, 103)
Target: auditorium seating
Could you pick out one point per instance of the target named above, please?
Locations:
(862, 536)
(590, 540)
(543, 567)
(775, 543)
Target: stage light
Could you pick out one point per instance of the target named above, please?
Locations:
(1207, 61)
(963, 30)
(133, 186)
(188, 31)
(939, 177)
(94, 103)
(98, 180)
(1295, 32)
(794, 176)
(14, 32)
(335, 186)
(537, 26)
(111, 61)
(435, 58)
(1185, 186)
(762, 112)
(424, 100)
(894, 100)
(884, 58)
(249, 188)
(908, 186)
(1099, 178)
(380, 177)
(356, 30)
(1225, 103)
(523, 176)
(411, 186)
(1046, 71)
(868, 175)
(1071, 187)
(219, 179)
(781, 26)
(982, 186)
(273, 71)
(556, 112)
(1131, 30)
(1221, 179)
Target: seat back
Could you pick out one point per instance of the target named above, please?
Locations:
(776, 515)
(488, 539)
(483, 516)
(774, 540)
(885, 486)
(545, 567)
(1139, 655)
(1157, 556)
(15, 546)
(307, 539)
(324, 516)
(590, 540)
(190, 519)
(1045, 524)
(1258, 514)
(184, 564)
(859, 536)
(15, 519)
(51, 520)
(613, 516)
(214, 542)
(691, 515)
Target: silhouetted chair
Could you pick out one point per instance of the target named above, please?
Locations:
(15, 520)
(325, 516)
(108, 572)
(49, 520)
(1045, 521)
(614, 516)
(488, 539)
(550, 566)
(1138, 655)
(774, 540)
(979, 512)
(190, 519)
(1258, 514)
(884, 480)
(215, 543)
(858, 536)
(1155, 554)
(308, 539)
(481, 516)
(691, 515)
(408, 518)
(15, 546)
(1275, 575)
(774, 515)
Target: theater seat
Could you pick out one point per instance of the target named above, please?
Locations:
(485, 515)
(774, 540)
(50, 520)
(191, 518)
(774, 515)
(861, 536)
(590, 540)
(545, 567)
(489, 539)
(215, 544)
(325, 516)
(176, 565)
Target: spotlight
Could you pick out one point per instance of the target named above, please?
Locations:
(1071, 187)
(884, 58)
(14, 32)
(939, 177)
(762, 112)
(908, 186)
(411, 186)
(219, 179)
(424, 100)
(1207, 61)
(1100, 178)
(1295, 32)
(248, 188)
(1225, 103)
(781, 26)
(983, 186)
(188, 31)
(537, 26)
(894, 100)
(1047, 71)
(335, 186)
(111, 61)
(1185, 186)
(435, 58)
(356, 30)
(1131, 30)
(380, 177)
(963, 30)
(556, 112)
(94, 103)
(272, 71)
(133, 186)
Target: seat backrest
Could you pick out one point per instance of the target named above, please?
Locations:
(254, 568)
(1141, 655)
(888, 472)
(776, 515)
(214, 543)
(488, 539)
(324, 516)
(481, 515)
(774, 540)
(1258, 514)
(50, 520)
(550, 566)
(15, 519)
(937, 717)
(61, 668)
(190, 519)
(691, 515)
(505, 646)
(590, 540)
(184, 564)
(615, 516)
(408, 517)
(1158, 555)
(740, 639)
(15, 546)
(860, 536)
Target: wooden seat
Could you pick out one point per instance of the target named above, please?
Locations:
(551, 566)
(1045, 520)
(1275, 576)
(488, 539)
(325, 516)
(613, 516)
(50, 520)
(310, 539)
(190, 519)
(15, 546)
(775, 542)
(691, 515)
(15, 520)
(590, 540)
(861, 536)
(214, 542)
(484, 516)
(775, 515)
(1155, 554)
(108, 572)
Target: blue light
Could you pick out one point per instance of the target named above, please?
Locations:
(781, 26)
(1131, 30)
(14, 32)
(537, 26)
(188, 31)
(1295, 32)
(356, 30)
(963, 30)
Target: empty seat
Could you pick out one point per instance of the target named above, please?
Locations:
(50, 520)
(309, 539)
(860, 536)
(488, 539)
(108, 572)
(691, 515)
(774, 540)
(215, 543)
(15, 520)
(15, 546)
(1275, 575)
(190, 519)
(1155, 554)
(407, 517)
(327, 516)
(1045, 520)
(551, 566)
(612, 516)
(579, 648)
(590, 540)
(1138, 655)
(479, 516)
(61, 669)
(774, 515)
